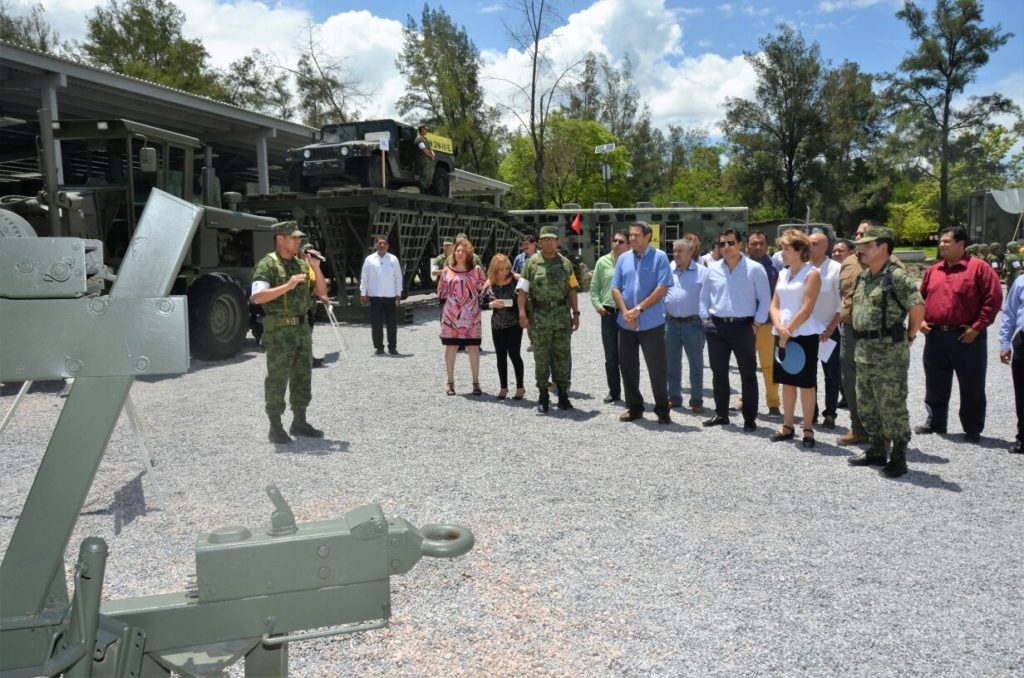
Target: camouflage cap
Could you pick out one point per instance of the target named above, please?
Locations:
(447, 241)
(873, 233)
(461, 236)
(994, 245)
(288, 228)
(548, 232)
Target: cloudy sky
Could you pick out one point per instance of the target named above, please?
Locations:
(687, 56)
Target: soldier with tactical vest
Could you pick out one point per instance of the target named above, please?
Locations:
(282, 284)
(425, 159)
(884, 297)
(547, 291)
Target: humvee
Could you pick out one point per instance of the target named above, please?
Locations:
(350, 154)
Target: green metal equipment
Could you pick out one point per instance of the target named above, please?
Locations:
(256, 589)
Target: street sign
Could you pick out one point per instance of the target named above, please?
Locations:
(384, 143)
(604, 148)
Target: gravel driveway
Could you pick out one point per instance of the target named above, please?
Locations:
(603, 548)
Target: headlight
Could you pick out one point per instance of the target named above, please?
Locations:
(307, 154)
(344, 151)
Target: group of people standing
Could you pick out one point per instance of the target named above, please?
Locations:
(850, 305)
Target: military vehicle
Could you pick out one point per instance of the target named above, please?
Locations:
(371, 154)
(110, 167)
(255, 590)
(597, 224)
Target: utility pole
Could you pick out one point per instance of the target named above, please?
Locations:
(606, 170)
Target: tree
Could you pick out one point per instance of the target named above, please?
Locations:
(32, 30)
(254, 82)
(442, 66)
(782, 126)
(544, 86)
(585, 97)
(143, 39)
(701, 181)
(327, 93)
(950, 52)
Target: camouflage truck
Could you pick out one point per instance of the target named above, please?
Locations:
(347, 154)
(110, 169)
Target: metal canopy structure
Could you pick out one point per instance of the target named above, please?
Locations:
(246, 144)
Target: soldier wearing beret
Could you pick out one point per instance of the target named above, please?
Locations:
(281, 283)
(547, 291)
(883, 298)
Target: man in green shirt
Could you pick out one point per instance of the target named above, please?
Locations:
(601, 298)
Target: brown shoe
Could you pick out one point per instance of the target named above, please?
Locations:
(674, 404)
(698, 409)
(851, 438)
(630, 415)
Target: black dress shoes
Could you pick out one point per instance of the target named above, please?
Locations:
(630, 415)
(664, 419)
(611, 399)
(717, 421)
(1016, 448)
(972, 437)
(750, 425)
(925, 429)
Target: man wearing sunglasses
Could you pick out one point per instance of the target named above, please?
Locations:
(734, 303)
(604, 304)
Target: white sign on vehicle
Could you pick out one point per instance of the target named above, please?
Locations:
(384, 143)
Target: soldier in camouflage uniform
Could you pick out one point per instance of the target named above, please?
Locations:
(547, 290)
(1012, 264)
(884, 296)
(281, 283)
(425, 159)
(438, 263)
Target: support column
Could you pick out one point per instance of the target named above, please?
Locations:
(49, 101)
(262, 171)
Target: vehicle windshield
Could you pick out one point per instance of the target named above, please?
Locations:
(336, 134)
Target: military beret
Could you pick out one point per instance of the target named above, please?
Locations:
(288, 228)
(548, 232)
(872, 233)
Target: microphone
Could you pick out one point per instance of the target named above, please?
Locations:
(306, 249)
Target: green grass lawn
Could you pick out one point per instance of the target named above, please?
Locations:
(929, 252)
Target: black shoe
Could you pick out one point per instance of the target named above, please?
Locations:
(897, 465)
(664, 419)
(808, 441)
(563, 403)
(774, 412)
(925, 429)
(972, 437)
(631, 415)
(303, 428)
(828, 421)
(277, 434)
(1016, 448)
(393, 351)
(783, 435)
(750, 425)
(717, 421)
(672, 404)
(841, 405)
(611, 399)
(379, 351)
(873, 456)
(543, 405)
(318, 362)
(734, 408)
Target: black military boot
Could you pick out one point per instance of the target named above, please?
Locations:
(873, 456)
(301, 427)
(897, 465)
(543, 402)
(563, 400)
(277, 433)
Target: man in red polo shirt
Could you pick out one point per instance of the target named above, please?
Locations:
(962, 296)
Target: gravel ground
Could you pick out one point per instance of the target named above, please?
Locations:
(603, 549)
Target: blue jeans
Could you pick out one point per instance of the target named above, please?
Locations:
(689, 337)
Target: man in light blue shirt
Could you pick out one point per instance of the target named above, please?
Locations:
(683, 328)
(1011, 352)
(734, 301)
(641, 279)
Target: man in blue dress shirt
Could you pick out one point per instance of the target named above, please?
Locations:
(683, 328)
(734, 303)
(641, 279)
(1011, 343)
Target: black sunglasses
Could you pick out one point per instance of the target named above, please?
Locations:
(619, 242)
(726, 243)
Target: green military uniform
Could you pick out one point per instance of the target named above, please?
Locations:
(1012, 264)
(548, 309)
(286, 335)
(882, 355)
(424, 164)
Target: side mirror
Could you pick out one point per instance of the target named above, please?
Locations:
(147, 159)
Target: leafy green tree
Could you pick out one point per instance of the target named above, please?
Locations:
(782, 126)
(30, 29)
(950, 51)
(701, 181)
(442, 67)
(912, 212)
(585, 96)
(327, 92)
(573, 171)
(255, 83)
(143, 39)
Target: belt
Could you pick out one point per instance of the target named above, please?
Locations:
(877, 335)
(683, 318)
(548, 305)
(610, 309)
(283, 321)
(948, 328)
(744, 319)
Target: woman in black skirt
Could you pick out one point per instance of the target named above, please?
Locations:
(796, 334)
(499, 295)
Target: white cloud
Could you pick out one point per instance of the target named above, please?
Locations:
(750, 10)
(726, 9)
(491, 9)
(839, 5)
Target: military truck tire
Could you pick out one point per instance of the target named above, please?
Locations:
(218, 317)
(371, 174)
(441, 185)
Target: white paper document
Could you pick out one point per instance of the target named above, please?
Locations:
(825, 349)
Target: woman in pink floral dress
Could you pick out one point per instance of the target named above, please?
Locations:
(459, 287)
